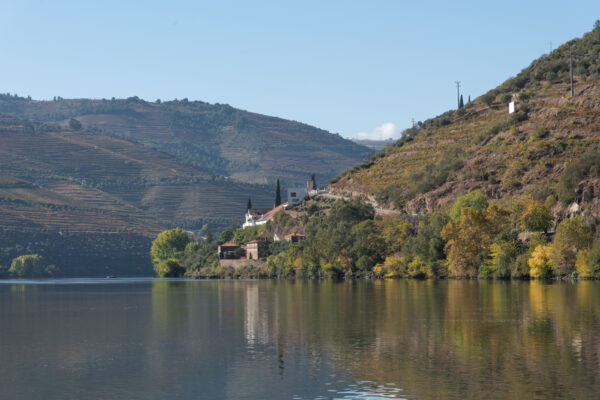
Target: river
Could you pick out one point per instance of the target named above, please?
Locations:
(405, 339)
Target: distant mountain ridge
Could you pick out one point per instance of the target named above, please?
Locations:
(220, 139)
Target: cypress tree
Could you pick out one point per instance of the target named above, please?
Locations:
(468, 101)
(314, 181)
(277, 195)
(248, 204)
(461, 103)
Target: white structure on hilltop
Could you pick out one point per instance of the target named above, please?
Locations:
(295, 195)
(513, 103)
(260, 216)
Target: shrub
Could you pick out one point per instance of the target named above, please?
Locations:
(488, 98)
(28, 266)
(506, 98)
(419, 268)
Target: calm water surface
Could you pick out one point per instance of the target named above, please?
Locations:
(158, 339)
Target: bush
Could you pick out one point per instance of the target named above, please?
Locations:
(28, 266)
(488, 98)
(506, 98)
(170, 268)
(75, 124)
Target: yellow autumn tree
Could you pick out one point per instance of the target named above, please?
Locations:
(471, 234)
(540, 262)
(582, 264)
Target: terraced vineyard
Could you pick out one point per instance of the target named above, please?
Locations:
(60, 188)
(217, 138)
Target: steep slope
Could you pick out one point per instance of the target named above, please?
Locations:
(220, 139)
(482, 146)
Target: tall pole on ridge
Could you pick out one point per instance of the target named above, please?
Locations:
(457, 94)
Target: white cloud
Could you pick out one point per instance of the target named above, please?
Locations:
(385, 131)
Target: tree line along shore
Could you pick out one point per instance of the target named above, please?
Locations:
(472, 238)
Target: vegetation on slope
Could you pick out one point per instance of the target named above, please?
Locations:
(479, 192)
(482, 147)
(475, 237)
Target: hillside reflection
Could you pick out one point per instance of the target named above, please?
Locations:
(450, 339)
(252, 339)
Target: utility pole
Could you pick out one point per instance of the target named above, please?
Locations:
(457, 94)
(571, 71)
(550, 47)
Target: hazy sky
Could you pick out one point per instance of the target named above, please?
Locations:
(356, 68)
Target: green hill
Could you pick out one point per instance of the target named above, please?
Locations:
(217, 138)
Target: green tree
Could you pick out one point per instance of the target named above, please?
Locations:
(75, 124)
(277, 194)
(470, 236)
(169, 245)
(536, 217)
(474, 199)
(593, 259)
(226, 236)
(248, 204)
(28, 266)
(461, 103)
(572, 236)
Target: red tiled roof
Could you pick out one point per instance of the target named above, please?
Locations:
(269, 216)
(229, 244)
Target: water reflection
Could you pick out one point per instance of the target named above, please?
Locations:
(247, 339)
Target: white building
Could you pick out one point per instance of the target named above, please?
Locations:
(295, 195)
(260, 216)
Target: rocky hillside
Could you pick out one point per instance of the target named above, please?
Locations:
(219, 139)
(548, 147)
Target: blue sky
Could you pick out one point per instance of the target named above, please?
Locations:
(349, 67)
